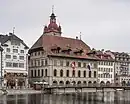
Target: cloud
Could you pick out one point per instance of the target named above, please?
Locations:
(103, 23)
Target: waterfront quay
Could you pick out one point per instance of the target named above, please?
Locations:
(118, 97)
(82, 89)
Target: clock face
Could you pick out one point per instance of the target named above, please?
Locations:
(53, 20)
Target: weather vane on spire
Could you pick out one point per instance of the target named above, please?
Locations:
(13, 29)
(52, 8)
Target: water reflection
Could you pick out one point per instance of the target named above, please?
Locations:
(84, 98)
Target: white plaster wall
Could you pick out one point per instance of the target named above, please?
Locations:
(111, 80)
(21, 47)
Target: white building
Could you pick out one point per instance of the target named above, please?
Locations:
(122, 67)
(14, 60)
(105, 68)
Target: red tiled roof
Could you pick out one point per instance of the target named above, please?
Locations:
(75, 56)
(63, 42)
(49, 41)
(103, 56)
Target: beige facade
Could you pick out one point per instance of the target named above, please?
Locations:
(58, 70)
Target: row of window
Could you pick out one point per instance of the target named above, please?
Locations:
(78, 64)
(105, 75)
(14, 57)
(42, 62)
(37, 53)
(39, 73)
(10, 64)
(122, 63)
(74, 74)
(105, 69)
(122, 59)
(106, 63)
(122, 55)
(124, 68)
(14, 50)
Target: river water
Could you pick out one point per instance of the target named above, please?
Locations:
(120, 97)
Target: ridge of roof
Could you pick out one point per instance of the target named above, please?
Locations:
(42, 41)
(5, 38)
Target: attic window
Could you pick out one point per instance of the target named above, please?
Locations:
(15, 42)
(67, 49)
(78, 51)
(55, 49)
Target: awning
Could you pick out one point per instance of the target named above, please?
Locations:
(16, 71)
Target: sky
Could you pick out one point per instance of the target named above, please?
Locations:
(104, 24)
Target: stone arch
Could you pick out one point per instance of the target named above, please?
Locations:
(79, 82)
(61, 83)
(73, 82)
(108, 83)
(55, 82)
(84, 82)
(123, 83)
(94, 83)
(102, 83)
(67, 82)
(89, 83)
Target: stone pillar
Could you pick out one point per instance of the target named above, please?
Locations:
(4, 83)
(26, 83)
(16, 83)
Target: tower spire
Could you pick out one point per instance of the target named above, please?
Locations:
(80, 35)
(52, 8)
(53, 28)
(13, 29)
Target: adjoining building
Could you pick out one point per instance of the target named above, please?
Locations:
(14, 61)
(122, 64)
(60, 60)
(1, 78)
(105, 68)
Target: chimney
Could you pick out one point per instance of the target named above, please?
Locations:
(76, 37)
(10, 34)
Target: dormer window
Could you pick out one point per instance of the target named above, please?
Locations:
(67, 51)
(78, 51)
(55, 49)
(15, 42)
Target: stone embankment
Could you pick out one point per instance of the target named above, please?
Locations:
(20, 91)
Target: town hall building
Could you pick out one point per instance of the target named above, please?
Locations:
(60, 60)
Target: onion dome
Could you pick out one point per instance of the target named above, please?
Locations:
(52, 27)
